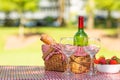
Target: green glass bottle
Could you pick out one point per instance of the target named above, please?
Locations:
(80, 38)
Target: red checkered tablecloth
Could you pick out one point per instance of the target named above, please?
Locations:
(38, 73)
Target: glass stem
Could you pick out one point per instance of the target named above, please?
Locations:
(91, 64)
(68, 64)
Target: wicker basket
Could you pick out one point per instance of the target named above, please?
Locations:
(55, 63)
(79, 64)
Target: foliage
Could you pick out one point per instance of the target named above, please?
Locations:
(18, 5)
(117, 5)
(7, 6)
(108, 4)
(23, 5)
(104, 4)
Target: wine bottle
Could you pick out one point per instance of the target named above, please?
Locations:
(80, 38)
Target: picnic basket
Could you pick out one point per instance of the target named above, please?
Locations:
(54, 59)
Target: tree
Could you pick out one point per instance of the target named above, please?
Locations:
(61, 11)
(90, 10)
(109, 6)
(60, 6)
(20, 6)
(4, 7)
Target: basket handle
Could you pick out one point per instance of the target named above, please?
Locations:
(47, 53)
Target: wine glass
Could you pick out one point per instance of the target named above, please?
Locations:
(68, 49)
(92, 48)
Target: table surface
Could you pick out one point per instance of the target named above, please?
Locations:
(38, 73)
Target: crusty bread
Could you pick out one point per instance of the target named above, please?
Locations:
(47, 39)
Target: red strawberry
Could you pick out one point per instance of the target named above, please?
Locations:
(96, 61)
(102, 61)
(113, 62)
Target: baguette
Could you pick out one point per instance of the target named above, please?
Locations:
(47, 39)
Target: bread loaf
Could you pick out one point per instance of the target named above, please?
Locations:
(47, 39)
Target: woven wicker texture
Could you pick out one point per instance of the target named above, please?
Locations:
(55, 63)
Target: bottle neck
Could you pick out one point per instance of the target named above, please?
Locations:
(80, 29)
(81, 22)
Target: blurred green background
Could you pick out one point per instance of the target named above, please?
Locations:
(23, 21)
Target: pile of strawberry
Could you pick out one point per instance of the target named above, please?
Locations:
(103, 60)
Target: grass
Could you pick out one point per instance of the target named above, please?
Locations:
(32, 54)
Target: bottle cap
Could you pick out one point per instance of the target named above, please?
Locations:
(80, 21)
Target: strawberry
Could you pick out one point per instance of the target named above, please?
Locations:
(113, 62)
(96, 61)
(101, 57)
(116, 58)
(102, 61)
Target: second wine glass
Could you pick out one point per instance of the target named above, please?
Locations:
(68, 49)
(92, 48)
